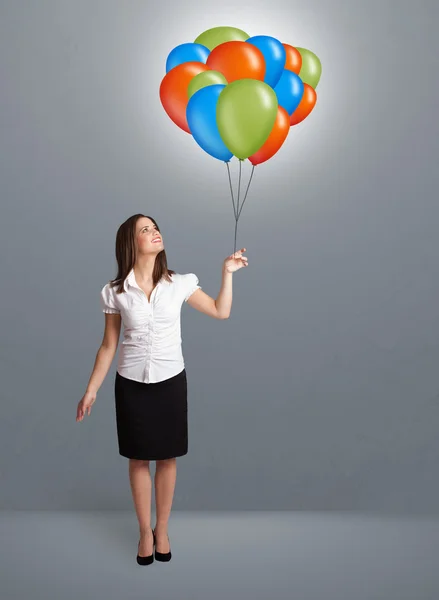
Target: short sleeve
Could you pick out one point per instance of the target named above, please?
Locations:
(191, 285)
(107, 300)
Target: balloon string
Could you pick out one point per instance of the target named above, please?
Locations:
(237, 210)
(246, 192)
(231, 189)
(239, 183)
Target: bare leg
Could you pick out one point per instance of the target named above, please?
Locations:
(140, 481)
(164, 481)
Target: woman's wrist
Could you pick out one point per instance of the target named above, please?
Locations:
(226, 271)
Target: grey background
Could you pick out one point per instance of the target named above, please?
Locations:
(321, 391)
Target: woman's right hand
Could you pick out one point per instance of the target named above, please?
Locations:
(84, 405)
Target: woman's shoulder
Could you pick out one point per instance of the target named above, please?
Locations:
(108, 299)
(182, 275)
(107, 287)
(111, 289)
(177, 277)
(184, 278)
(110, 286)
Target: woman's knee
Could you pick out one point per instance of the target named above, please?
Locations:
(135, 462)
(164, 462)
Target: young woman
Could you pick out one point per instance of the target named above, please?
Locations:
(150, 384)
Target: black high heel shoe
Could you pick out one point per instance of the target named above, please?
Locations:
(145, 560)
(162, 556)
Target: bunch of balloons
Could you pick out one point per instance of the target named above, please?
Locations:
(239, 95)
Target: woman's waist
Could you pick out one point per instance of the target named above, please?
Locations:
(140, 339)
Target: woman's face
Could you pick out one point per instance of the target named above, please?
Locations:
(146, 233)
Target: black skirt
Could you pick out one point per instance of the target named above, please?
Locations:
(152, 418)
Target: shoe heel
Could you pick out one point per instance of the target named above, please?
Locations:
(162, 556)
(144, 560)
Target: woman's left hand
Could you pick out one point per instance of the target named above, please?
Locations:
(235, 261)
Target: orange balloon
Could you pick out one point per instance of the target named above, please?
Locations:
(173, 91)
(276, 138)
(237, 60)
(293, 61)
(306, 105)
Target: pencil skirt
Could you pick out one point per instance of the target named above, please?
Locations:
(152, 418)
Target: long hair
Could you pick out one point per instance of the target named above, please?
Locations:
(126, 254)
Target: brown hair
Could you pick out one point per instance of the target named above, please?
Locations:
(126, 254)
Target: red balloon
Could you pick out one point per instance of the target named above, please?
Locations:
(293, 61)
(173, 91)
(275, 140)
(237, 60)
(306, 105)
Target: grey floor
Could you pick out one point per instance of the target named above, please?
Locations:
(255, 555)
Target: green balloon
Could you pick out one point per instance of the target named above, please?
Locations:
(204, 79)
(245, 114)
(311, 67)
(218, 35)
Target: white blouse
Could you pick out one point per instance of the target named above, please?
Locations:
(151, 350)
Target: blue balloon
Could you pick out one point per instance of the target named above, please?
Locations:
(186, 53)
(201, 118)
(289, 91)
(274, 54)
